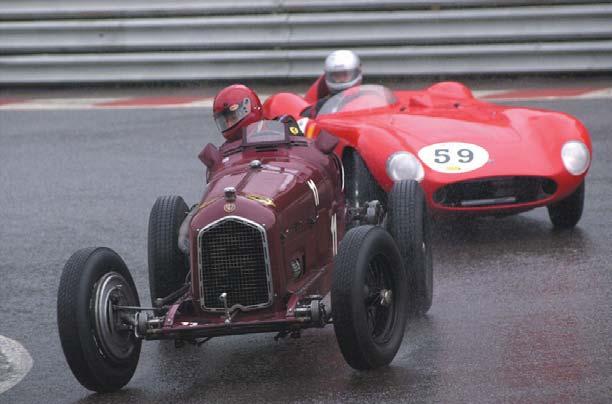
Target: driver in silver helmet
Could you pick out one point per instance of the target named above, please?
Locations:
(342, 71)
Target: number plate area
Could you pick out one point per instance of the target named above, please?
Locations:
(454, 157)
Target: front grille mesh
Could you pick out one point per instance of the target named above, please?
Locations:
(495, 191)
(233, 259)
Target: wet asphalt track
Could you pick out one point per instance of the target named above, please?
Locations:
(521, 313)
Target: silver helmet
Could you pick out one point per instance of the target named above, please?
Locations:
(342, 70)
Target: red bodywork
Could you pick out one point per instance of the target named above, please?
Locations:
(276, 196)
(519, 141)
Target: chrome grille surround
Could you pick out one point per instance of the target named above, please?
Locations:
(243, 273)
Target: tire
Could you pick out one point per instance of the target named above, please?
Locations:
(101, 357)
(168, 265)
(370, 334)
(410, 225)
(360, 185)
(565, 214)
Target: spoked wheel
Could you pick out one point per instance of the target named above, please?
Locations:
(565, 214)
(369, 298)
(98, 341)
(410, 225)
(380, 305)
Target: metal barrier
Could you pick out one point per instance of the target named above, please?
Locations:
(288, 39)
(41, 9)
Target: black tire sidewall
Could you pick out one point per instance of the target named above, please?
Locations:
(567, 212)
(93, 370)
(350, 319)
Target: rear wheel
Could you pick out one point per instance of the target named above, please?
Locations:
(100, 347)
(168, 265)
(566, 213)
(409, 224)
(368, 298)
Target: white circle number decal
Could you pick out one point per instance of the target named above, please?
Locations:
(454, 157)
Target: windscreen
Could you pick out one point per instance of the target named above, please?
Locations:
(265, 132)
(360, 98)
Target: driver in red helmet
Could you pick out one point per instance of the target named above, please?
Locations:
(234, 108)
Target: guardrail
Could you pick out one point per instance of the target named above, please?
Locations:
(41, 9)
(410, 40)
(246, 65)
(291, 31)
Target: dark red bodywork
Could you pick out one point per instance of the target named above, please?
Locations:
(277, 197)
(521, 142)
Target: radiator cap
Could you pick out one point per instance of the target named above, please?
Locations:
(230, 194)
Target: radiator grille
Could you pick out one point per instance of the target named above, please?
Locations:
(233, 257)
(495, 191)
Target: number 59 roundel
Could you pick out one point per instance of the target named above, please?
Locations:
(454, 157)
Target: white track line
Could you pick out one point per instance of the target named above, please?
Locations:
(57, 103)
(604, 93)
(484, 93)
(94, 103)
(19, 363)
(206, 102)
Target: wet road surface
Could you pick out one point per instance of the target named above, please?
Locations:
(521, 313)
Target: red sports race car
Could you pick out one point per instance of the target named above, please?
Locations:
(470, 156)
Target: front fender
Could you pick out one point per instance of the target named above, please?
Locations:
(375, 146)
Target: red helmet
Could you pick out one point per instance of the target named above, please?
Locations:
(234, 108)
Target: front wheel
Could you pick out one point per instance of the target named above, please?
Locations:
(565, 214)
(369, 298)
(410, 226)
(97, 340)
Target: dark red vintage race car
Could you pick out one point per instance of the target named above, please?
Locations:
(258, 254)
(470, 157)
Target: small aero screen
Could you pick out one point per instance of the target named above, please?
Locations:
(265, 132)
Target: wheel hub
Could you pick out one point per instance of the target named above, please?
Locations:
(115, 340)
(386, 297)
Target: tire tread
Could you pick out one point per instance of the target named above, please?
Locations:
(406, 210)
(167, 264)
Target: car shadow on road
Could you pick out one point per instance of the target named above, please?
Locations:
(255, 368)
(518, 233)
